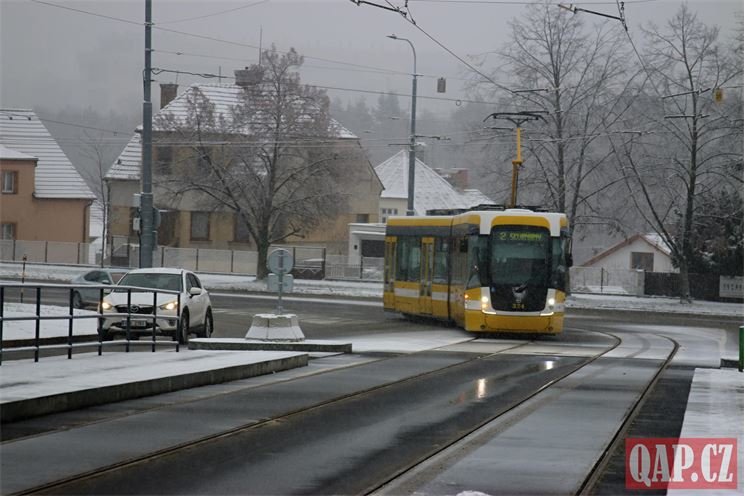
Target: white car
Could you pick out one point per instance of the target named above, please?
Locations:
(182, 286)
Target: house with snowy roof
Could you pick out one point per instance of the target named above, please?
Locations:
(432, 191)
(186, 223)
(43, 196)
(647, 252)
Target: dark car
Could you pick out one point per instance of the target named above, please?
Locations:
(90, 297)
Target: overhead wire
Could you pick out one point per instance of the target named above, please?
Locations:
(204, 37)
(254, 4)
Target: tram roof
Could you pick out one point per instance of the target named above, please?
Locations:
(479, 217)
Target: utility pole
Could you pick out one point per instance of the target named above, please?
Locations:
(412, 132)
(517, 118)
(146, 197)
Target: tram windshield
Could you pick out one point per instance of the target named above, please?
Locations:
(519, 255)
(519, 267)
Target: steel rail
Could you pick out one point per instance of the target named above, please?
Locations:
(601, 464)
(52, 487)
(515, 405)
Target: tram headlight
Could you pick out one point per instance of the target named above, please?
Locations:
(484, 303)
(551, 302)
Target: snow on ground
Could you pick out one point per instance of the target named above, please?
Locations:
(654, 304)
(26, 329)
(227, 282)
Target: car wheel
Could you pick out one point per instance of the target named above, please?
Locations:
(77, 300)
(208, 324)
(183, 337)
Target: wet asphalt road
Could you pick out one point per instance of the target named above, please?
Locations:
(342, 446)
(347, 446)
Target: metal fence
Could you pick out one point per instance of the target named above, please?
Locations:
(312, 262)
(50, 252)
(40, 343)
(606, 281)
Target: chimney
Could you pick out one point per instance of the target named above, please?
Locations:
(459, 178)
(249, 76)
(167, 93)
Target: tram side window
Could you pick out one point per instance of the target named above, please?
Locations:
(408, 259)
(440, 275)
(559, 263)
(477, 267)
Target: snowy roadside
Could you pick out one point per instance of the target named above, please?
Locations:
(374, 290)
(26, 329)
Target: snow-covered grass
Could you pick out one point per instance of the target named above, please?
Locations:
(26, 329)
(654, 304)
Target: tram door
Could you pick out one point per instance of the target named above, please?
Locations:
(426, 272)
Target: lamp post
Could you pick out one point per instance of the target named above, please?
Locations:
(412, 134)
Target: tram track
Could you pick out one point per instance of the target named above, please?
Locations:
(415, 479)
(80, 480)
(592, 478)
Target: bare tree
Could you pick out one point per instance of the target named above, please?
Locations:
(693, 150)
(573, 76)
(274, 158)
(96, 151)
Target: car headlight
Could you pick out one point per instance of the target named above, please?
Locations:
(171, 305)
(105, 305)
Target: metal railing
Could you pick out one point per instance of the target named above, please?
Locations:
(38, 317)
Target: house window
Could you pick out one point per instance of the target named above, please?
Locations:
(200, 226)
(8, 230)
(240, 230)
(10, 182)
(165, 158)
(643, 261)
(363, 218)
(386, 212)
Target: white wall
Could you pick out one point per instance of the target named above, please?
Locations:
(358, 232)
(621, 259)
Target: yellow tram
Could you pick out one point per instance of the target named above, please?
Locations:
(487, 269)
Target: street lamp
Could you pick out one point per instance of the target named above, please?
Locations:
(412, 134)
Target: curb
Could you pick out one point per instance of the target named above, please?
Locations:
(35, 407)
(256, 345)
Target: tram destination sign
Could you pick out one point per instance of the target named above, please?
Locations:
(522, 236)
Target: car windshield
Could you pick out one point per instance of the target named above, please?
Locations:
(171, 282)
(116, 276)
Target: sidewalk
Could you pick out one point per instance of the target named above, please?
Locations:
(55, 384)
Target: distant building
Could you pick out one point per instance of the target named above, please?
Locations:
(186, 225)
(432, 191)
(43, 197)
(647, 252)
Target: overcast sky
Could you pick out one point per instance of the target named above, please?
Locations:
(55, 57)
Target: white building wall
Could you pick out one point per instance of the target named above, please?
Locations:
(621, 259)
(386, 205)
(360, 232)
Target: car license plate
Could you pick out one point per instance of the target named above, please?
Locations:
(138, 323)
